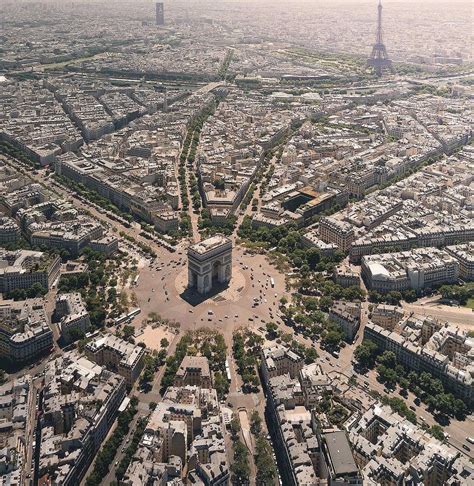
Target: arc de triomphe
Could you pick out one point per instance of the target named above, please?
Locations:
(209, 261)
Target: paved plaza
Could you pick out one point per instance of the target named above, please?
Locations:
(162, 288)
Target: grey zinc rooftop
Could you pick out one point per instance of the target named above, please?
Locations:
(340, 453)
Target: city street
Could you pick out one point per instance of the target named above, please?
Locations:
(30, 431)
(461, 316)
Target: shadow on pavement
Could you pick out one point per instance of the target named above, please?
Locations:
(194, 298)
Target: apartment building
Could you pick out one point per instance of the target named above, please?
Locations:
(17, 404)
(72, 236)
(464, 254)
(391, 450)
(107, 245)
(341, 233)
(416, 269)
(397, 235)
(347, 316)
(278, 360)
(296, 446)
(80, 403)
(23, 268)
(24, 330)
(72, 315)
(140, 200)
(24, 196)
(314, 384)
(194, 371)
(115, 353)
(9, 231)
(311, 239)
(166, 221)
(346, 276)
(386, 316)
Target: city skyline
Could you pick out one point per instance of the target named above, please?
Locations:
(236, 243)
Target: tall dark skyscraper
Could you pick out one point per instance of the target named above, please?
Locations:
(160, 14)
(379, 58)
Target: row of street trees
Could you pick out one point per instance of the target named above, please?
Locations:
(240, 467)
(107, 453)
(423, 385)
(246, 349)
(266, 467)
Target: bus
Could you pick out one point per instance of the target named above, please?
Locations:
(272, 282)
(227, 371)
(127, 317)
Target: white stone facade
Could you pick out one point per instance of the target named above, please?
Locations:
(209, 261)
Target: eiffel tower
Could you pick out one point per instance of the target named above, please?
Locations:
(379, 58)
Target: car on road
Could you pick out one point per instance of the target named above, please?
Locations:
(464, 446)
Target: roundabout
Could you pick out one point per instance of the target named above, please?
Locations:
(250, 299)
